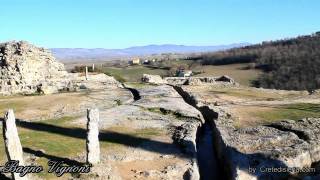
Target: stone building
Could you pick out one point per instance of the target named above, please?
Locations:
(134, 61)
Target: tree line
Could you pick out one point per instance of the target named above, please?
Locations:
(291, 64)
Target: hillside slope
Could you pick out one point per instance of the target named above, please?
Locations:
(291, 64)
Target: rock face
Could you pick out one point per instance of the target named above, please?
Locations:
(153, 79)
(186, 135)
(168, 101)
(223, 81)
(163, 110)
(25, 68)
(286, 144)
(250, 152)
(165, 99)
(92, 143)
(12, 142)
(94, 82)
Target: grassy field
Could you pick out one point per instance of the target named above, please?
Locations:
(290, 111)
(259, 115)
(15, 104)
(134, 73)
(35, 138)
(236, 71)
(253, 94)
(58, 139)
(31, 107)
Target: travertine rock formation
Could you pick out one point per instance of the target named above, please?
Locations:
(223, 81)
(94, 82)
(250, 152)
(287, 144)
(153, 79)
(93, 147)
(25, 68)
(163, 110)
(12, 142)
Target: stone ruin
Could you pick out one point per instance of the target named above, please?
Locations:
(26, 69)
(224, 80)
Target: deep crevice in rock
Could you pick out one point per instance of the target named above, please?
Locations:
(210, 166)
(165, 111)
(302, 135)
(222, 151)
(134, 92)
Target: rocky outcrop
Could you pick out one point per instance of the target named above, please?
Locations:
(288, 145)
(186, 135)
(26, 69)
(152, 79)
(257, 152)
(222, 81)
(164, 110)
(307, 130)
(94, 82)
(166, 100)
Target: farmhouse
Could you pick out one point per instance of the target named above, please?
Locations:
(134, 61)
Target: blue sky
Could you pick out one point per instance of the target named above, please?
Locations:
(125, 23)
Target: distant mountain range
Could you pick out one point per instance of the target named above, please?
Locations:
(101, 53)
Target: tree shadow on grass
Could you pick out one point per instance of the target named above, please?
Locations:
(51, 157)
(64, 161)
(106, 136)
